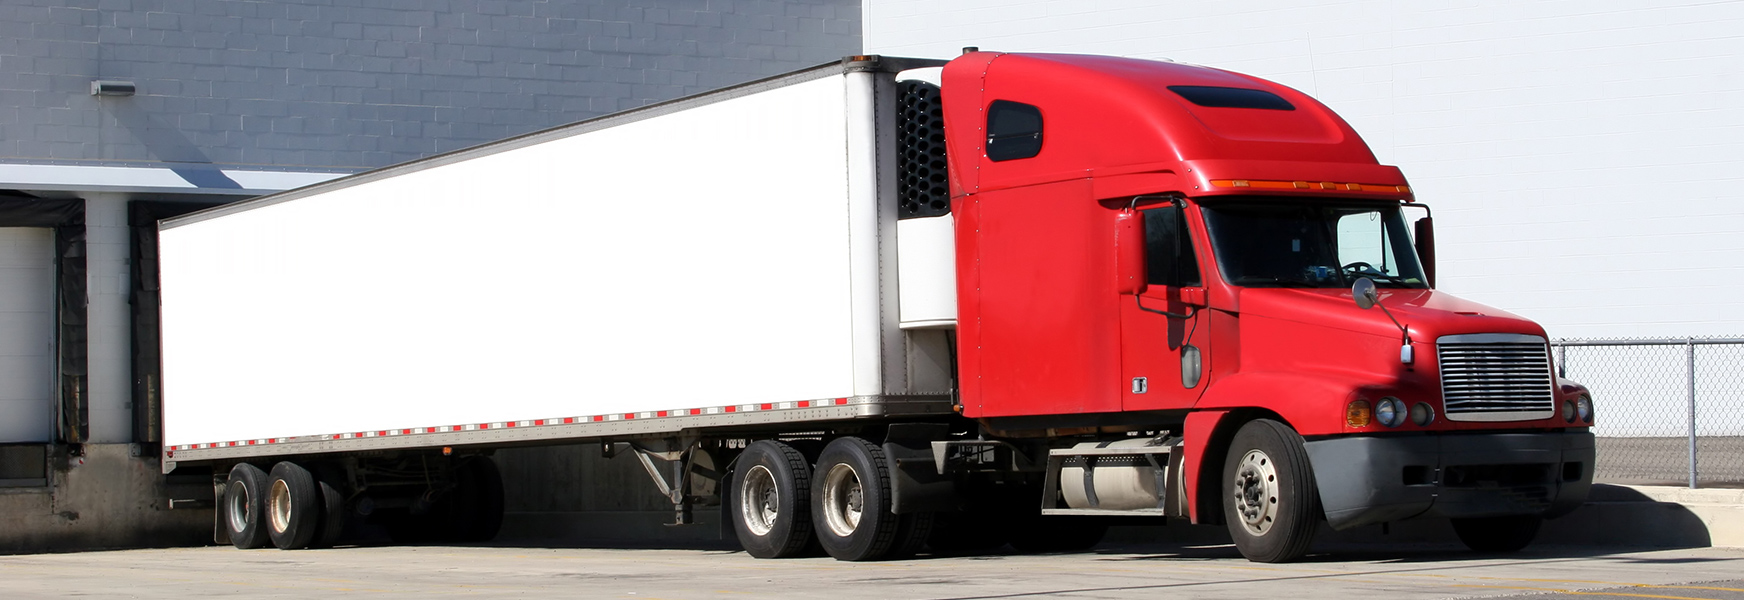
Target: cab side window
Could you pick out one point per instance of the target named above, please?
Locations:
(1014, 130)
(1169, 257)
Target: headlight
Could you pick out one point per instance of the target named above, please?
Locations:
(1422, 414)
(1583, 407)
(1390, 412)
(1568, 411)
(1358, 414)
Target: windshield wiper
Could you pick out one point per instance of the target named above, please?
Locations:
(1275, 281)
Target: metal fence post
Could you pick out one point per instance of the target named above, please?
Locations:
(1689, 346)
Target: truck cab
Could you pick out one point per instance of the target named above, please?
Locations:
(1143, 242)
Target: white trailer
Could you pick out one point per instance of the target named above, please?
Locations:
(724, 262)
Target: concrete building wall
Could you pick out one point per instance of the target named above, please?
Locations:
(1580, 157)
(360, 83)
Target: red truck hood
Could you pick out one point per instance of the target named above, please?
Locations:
(1429, 313)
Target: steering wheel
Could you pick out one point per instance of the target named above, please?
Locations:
(1364, 269)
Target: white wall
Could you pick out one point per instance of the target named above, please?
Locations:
(1584, 159)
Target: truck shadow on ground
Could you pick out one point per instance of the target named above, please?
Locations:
(1617, 521)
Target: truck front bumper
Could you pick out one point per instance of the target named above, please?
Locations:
(1367, 480)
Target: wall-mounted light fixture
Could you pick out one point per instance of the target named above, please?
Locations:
(111, 88)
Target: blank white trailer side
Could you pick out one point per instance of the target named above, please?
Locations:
(722, 260)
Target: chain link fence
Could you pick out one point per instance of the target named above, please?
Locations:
(1667, 411)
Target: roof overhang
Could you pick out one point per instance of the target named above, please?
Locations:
(157, 178)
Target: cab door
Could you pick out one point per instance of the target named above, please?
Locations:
(1165, 339)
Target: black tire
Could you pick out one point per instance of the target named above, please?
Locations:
(769, 500)
(332, 517)
(966, 533)
(1055, 534)
(1498, 534)
(476, 504)
(244, 507)
(293, 507)
(848, 529)
(1273, 515)
(912, 531)
(808, 447)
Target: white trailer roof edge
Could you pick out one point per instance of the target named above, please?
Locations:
(848, 65)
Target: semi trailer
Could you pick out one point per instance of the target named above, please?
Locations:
(873, 306)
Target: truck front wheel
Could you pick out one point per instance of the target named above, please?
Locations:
(1497, 534)
(769, 500)
(1269, 500)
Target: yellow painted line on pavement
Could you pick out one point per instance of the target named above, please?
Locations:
(1578, 592)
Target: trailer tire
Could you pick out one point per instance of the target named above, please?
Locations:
(810, 448)
(1270, 503)
(850, 501)
(1498, 534)
(293, 507)
(476, 504)
(332, 517)
(770, 500)
(1044, 535)
(244, 507)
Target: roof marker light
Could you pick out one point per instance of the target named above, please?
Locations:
(1303, 185)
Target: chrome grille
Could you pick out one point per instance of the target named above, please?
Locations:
(1495, 377)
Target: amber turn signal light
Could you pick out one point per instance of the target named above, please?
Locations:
(1359, 414)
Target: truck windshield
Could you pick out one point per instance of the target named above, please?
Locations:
(1315, 245)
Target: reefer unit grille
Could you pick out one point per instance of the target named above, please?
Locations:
(1496, 377)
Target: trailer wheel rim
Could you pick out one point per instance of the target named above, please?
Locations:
(279, 506)
(760, 502)
(239, 506)
(844, 500)
(1256, 492)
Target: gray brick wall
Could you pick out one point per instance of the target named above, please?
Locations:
(366, 83)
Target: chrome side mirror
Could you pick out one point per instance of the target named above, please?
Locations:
(1363, 292)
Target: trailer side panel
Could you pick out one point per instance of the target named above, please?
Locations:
(697, 259)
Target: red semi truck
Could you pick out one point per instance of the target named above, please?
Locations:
(875, 305)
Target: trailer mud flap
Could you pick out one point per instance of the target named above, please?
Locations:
(916, 485)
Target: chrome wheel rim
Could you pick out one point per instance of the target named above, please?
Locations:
(1256, 492)
(238, 507)
(844, 500)
(279, 506)
(760, 501)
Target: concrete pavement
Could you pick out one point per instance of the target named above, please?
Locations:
(1113, 571)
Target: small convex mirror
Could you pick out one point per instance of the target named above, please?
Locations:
(1363, 291)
